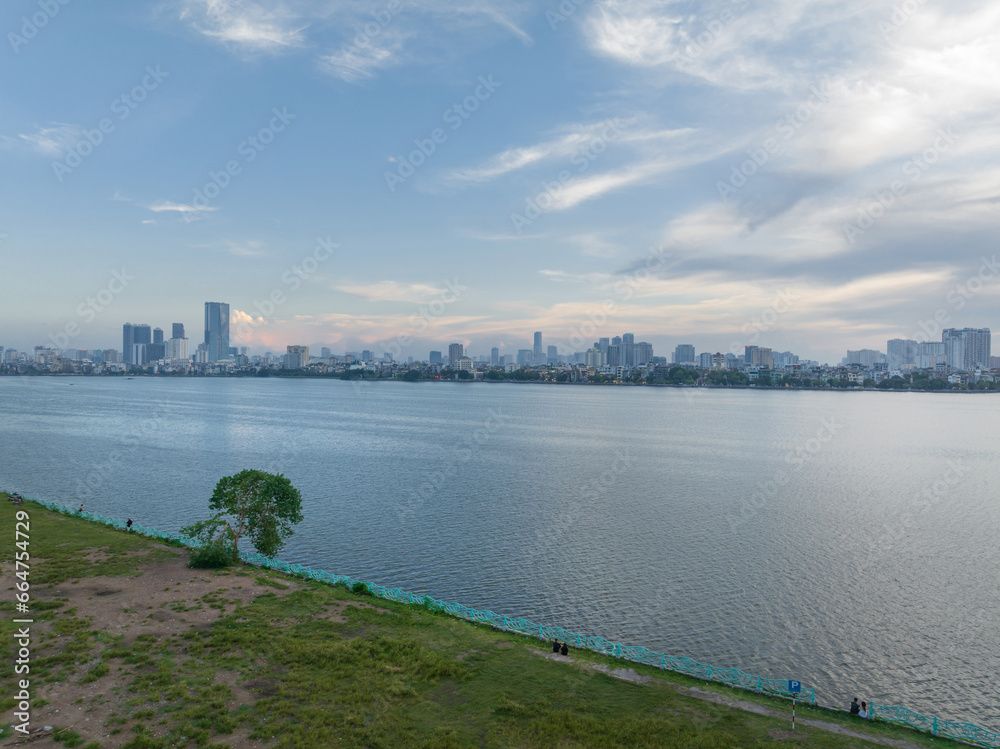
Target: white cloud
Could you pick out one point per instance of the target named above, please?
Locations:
(391, 291)
(50, 141)
(166, 205)
(353, 63)
(245, 24)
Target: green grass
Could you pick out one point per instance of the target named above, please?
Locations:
(389, 676)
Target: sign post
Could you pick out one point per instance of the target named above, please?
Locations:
(794, 687)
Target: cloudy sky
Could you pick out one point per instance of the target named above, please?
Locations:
(801, 174)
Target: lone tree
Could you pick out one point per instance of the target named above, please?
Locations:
(259, 505)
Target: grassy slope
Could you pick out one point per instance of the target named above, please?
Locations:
(388, 676)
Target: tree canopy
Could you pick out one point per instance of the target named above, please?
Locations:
(259, 505)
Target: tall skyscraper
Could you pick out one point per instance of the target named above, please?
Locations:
(552, 355)
(178, 330)
(684, 353)
(127, 341)
(217, 330)
(455, 352)
(536, 351)
(967, 348)
(157, 335)
(901, 353)
(436, 358)
(494, 356)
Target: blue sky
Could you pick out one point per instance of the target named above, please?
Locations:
(801, 174)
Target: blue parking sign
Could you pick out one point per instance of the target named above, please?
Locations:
(794, 686)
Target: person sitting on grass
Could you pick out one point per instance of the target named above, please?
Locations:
(855, 707)
(555, 647)
(863, 712)
(564, 650)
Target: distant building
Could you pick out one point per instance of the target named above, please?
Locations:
(217, 330)
(296, 357)
(177, 348)
(525, 356)
(718, 361)
(594, 357)
(177, 330)
(494, 356)
(705, 361)
(133, 334)
(966, 349)
(536, 352)
(684, 354)
(464, 364)
(325, 353)
(455, 352)
(761, 356)
(436, 358)
(901, 353)
(553, 355)
(157, 335)
(865, 357)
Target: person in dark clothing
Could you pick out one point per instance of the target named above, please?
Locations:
(80, 511)
(555, 646)
(564, 650)
(128, 524)
(855, 707)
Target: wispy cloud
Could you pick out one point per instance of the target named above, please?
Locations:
(391, 291)
(52, 141)
(244, 23)
(167, 205)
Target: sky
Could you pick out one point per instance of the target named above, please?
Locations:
(806, 175)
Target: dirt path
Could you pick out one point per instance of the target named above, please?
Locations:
(628, 674)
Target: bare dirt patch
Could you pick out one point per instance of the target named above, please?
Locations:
(165, 598)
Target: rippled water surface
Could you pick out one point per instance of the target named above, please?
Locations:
(849, 540)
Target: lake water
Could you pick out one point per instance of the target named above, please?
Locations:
(848, 540)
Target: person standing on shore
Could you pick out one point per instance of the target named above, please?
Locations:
(80, 511)
(128, 524)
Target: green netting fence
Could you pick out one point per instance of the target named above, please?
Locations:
(967, 732)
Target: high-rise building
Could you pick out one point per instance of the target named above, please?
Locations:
(177, 330)
(127, 341)
(217, 330)
(177, 349)
(761, 357)
(455, 352)
(901, 353)
(325, 352)
(366, 355)
(536, 351)
(865, 357)
(718, 360)
(552, 355)
(705, 361)
(436, 358)
(296, 357)
(930, 355)
(642, 353)
(684, 354)
(594, 357)
(525, 356)
(494, 356)
(133, 334)
(967, 349)
(157, 335)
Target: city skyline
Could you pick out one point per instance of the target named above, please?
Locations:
(377, 191)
